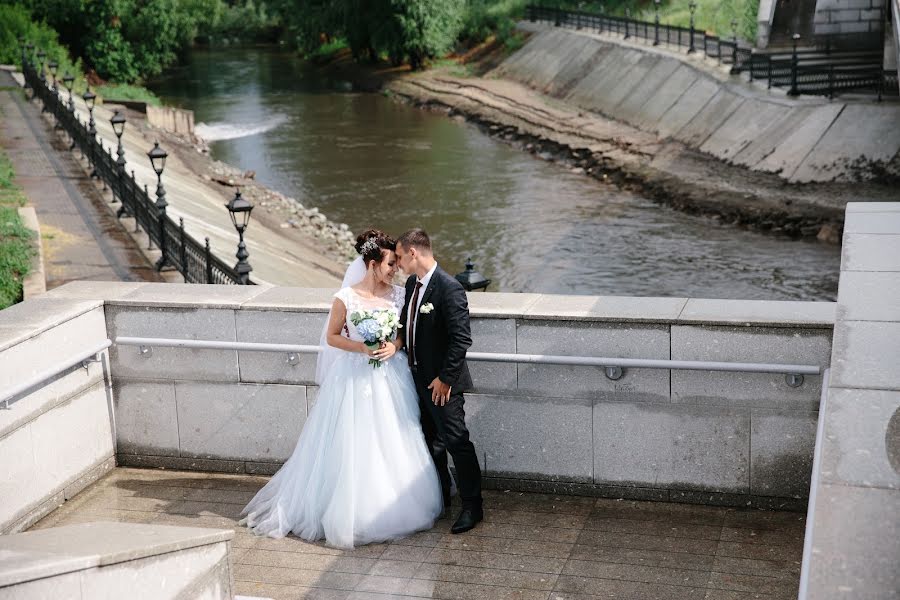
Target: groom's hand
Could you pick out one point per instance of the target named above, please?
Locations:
(440, 392)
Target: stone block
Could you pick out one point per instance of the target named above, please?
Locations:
(856, 27)
(608, 340)
(758, 312)
(664, 97)
(175, 323)
(749, 345)
(534, 438)
(689, 104)
(865, 355)
(46, 348)
(772, 134)
(781, 452)
(18, 487)
(866, 252)
(625, 309)
(682, 447)
(292, 299)
(870, 15)
(631, 79)
(869, 296)
(73, 437)
(848, 141)
(843, 16)
(493, 335)
(710, 118)
(278, 327)
(855, 543)
(239, 421)
(654, 80)
(788, 155)
(190, 295)
(94, 290)
(741, 128)
(862, 439)
(872, 222)
(40, 314)
(500, 304)
(146, 417)
(828, 28)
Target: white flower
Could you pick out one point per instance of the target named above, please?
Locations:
(426, 308)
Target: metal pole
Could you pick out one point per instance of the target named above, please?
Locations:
(656, 24)
(793, 91)
(161, 205)
(691, 48)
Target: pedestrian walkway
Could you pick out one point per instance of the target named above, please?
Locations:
(529, 547)
(81, 237)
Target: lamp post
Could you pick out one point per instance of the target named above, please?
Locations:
(240, 210)
(68, 81)
(794, 91)
(627, 19)
(53, 66)
(656, 23)
(118, 124)
(41, 55)
(472, 279)
(89, 99)
(26, 61)
(692, 6)
(158, 160)
(734, 67)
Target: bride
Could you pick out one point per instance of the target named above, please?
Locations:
(360, 472)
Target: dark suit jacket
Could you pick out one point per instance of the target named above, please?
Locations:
(442, 336)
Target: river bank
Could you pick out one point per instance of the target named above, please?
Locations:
(656, 166)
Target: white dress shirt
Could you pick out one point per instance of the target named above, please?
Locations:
(424, 281)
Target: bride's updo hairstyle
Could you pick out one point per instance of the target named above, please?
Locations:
(371, 242)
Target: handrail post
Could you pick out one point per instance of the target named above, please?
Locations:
(208, 262)
(794, 62)
(183, 252)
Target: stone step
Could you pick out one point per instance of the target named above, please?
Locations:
(117, 560)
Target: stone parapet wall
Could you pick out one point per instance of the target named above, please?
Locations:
(844, 17)
(656, 434)
(57, 438)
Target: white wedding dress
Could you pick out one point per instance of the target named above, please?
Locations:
(361, 471)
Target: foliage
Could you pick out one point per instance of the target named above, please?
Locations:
(15, 21)
(115, 91)
(16, 247)
(712, 16)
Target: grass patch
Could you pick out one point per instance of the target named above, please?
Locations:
(712, 16)
(135, 93)
(327, 50)
(16, 240)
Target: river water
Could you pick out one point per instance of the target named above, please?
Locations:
(529, 225)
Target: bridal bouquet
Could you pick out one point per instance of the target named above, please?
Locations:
(376, 327)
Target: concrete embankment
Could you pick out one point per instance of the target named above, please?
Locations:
(288, 243)
(680, 130)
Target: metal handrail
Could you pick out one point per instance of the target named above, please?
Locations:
(811, 505)
(41, 377)
(612, 365)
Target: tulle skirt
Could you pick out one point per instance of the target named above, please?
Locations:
(361, 471)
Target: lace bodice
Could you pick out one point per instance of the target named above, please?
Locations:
(354, 302)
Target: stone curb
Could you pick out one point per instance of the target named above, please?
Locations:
(35, 282)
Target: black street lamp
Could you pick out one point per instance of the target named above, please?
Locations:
(53, 66)
(90, 98)
(794, 91)
(68, 81)
(472, 279)
(158, 160)
(627, 18)
(118, 124)
(734, 67)
(240, 210)
(22, 45)
(41, 55)
(692, 6)
(656, 23)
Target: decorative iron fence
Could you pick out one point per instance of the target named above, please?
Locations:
(195, 261)
(801, 71)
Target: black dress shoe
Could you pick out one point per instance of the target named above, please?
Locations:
(468, 518)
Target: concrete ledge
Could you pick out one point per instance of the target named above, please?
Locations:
(134, 560)
(23, 321)
(62, 494)
(35, 282)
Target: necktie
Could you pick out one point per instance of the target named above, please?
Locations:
(413, 311)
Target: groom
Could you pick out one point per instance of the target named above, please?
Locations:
(435, 322)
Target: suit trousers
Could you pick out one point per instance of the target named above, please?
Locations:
(445, 431)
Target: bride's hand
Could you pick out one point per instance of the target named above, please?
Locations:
(387, 350)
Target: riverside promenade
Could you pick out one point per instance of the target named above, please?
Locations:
(276, 257)
(80, 237)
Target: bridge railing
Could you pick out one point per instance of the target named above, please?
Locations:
(800, 71)
(195, 261)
